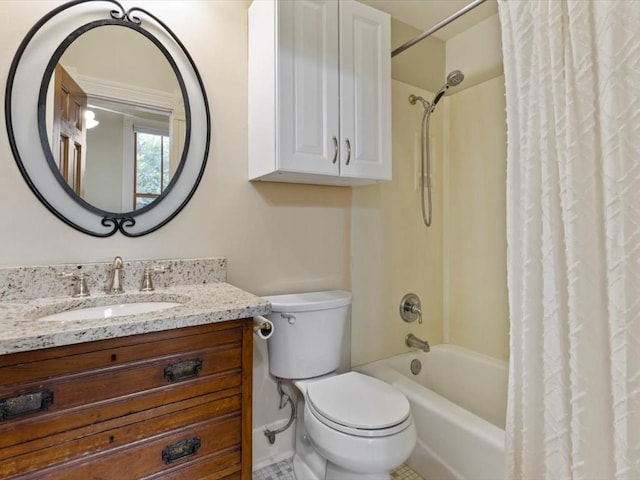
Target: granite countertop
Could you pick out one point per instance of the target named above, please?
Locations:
(21, 330)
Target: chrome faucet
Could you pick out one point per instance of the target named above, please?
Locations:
(115, 285)
(412, 341)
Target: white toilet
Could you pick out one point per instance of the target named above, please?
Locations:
(349, 426)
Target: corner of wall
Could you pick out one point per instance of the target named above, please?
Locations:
(423, 65)
(477, 52)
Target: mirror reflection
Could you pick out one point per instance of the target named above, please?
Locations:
(116, 120)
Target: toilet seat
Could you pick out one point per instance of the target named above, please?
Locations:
(359, 405)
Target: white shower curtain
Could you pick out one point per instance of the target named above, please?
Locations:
(572, 73)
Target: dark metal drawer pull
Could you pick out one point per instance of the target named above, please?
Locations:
(181, 449)
(24, 404)
(183, 369)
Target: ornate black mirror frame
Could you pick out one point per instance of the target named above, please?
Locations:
(25, 104)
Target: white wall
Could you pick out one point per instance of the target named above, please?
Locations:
(139, 62)
(277, 237)
(104, 165)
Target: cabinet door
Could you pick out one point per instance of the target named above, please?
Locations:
(307, 86)
(365, 90)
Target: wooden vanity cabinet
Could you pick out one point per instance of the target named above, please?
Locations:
(174, 404)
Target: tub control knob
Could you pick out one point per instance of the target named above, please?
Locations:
(411, 308)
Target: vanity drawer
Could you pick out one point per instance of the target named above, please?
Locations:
(108, 435)
(99, 385)
(220, 466)
(32, 366)
(160, 455)
(40, 431)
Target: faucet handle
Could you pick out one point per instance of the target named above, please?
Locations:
(80, 288)
(147, 281)
(411, 308)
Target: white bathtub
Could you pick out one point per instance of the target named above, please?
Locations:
(458, 402)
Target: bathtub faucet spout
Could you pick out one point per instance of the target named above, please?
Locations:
(412, 341)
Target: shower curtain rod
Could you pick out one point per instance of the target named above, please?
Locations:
(436, 27)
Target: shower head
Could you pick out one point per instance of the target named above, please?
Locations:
(454, 78)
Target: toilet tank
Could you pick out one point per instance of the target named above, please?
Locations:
(308, 334)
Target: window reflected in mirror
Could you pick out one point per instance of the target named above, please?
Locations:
(152, 159)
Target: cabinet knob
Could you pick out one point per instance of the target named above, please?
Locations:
(348, 150)
(181, 449)
(25, 404)
(183, 369)
(335, 150)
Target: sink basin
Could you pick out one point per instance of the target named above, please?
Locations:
(109, 311)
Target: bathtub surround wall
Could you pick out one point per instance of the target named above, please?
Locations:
(457, 266)
(392, 252)
(475, 304)
(476, 308)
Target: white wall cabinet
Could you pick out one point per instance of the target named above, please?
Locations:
(319, 92)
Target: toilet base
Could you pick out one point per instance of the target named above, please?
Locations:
(334, 472)
(308, 464)
(314, 467)
(304, 469)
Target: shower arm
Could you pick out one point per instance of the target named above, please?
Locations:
(425, 104)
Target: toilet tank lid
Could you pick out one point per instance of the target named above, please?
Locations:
(312, 301)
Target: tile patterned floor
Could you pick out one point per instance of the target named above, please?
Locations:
(404, 472)
(284, 471)
(278, 471)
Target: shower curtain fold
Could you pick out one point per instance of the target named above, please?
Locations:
(572, 74)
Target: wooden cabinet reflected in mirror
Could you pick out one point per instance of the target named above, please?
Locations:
(69, 133)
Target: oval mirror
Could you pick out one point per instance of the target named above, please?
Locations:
(120, 112)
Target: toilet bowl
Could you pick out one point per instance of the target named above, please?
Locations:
(362, 426)
(349, 426)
